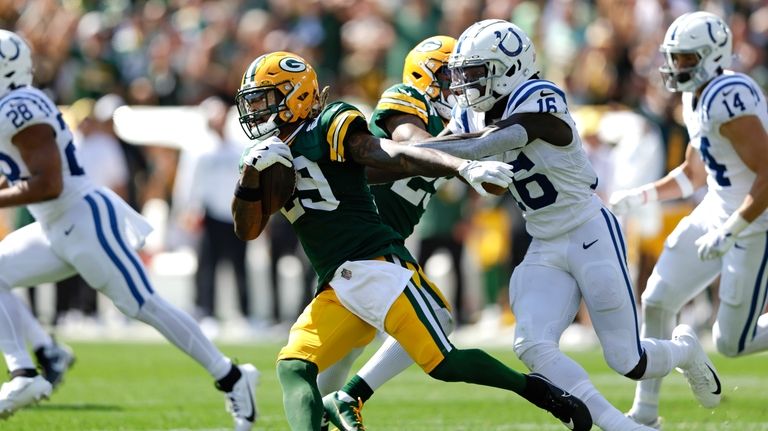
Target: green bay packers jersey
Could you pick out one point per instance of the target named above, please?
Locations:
(405, 99)
(332, 209)
(403, 202)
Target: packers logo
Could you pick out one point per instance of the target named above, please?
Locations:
(430, 45)
(291, 64)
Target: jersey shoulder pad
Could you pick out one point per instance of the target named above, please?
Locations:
(24, 107)
(537, 96)
(335, 123)
(401, 99)
(730, 96)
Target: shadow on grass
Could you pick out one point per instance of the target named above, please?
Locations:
(80, 407)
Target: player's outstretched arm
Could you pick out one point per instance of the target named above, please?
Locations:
(512, 133)
(680, 182)
(37, 147)
(388, 155)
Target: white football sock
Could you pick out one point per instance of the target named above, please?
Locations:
(11, 339)
(334, 377)
(181, 330)
(657, 323)
(389, 361)
(34, 334)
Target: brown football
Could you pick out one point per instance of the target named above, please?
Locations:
(277, 184)
(494, 189)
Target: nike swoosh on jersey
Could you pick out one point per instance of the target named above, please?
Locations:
(547, 93)
(736, 245)
(717, 381)
(68, 231)
(726, 93)
(585, 245)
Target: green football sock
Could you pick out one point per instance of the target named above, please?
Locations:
(301, 399)
(476, 366)
(358, 388)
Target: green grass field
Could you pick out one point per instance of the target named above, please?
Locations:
(154, 387)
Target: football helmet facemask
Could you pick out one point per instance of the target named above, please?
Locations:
(492, 57)
(276, 89)
(15, 62)
(700, 33)
(426, 69)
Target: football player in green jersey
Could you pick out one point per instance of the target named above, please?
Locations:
(367, 278)
(416, 109)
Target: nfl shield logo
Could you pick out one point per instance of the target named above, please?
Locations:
(345, 273)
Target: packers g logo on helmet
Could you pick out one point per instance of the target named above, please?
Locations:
(425, 69)
(292, 65)
(276, 89)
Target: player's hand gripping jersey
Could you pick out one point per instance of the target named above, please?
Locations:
(332, 209)
(24, 107)
(726, 97)
(553, 186)
(403, 202)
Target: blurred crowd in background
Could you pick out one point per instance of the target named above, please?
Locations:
(94, 56)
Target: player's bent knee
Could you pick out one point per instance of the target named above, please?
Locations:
(536, 354)
(638, 371)
(727, 346)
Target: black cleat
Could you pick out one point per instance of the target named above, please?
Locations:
(571, 411)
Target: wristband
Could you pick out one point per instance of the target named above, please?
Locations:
(248, 194)
(649, 193)
(682, 180)
(735, 224)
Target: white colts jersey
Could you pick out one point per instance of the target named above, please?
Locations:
(24, 107)
(725, 98)
(553, 186)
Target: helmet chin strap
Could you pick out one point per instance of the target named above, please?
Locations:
(273, 132)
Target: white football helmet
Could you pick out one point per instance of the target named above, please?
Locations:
(491, 58)
(15, 62)
(701, 33)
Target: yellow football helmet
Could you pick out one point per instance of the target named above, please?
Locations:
(276, 89)
(426, 69)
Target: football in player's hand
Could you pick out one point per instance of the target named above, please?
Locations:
(494, 189)
(277, 184)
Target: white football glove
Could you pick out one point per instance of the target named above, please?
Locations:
(476, 173)
(714, 243)
(624, 201)
(268, 152)
(717, 242)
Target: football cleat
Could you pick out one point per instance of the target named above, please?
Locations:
(699, 371)
(241, 401)
(652, 424)
(571, 411)
(22, 391)
(344, 414)
(54, 361)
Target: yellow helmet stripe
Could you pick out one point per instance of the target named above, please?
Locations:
(337, 133)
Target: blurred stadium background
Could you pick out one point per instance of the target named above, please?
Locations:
(148, 65)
